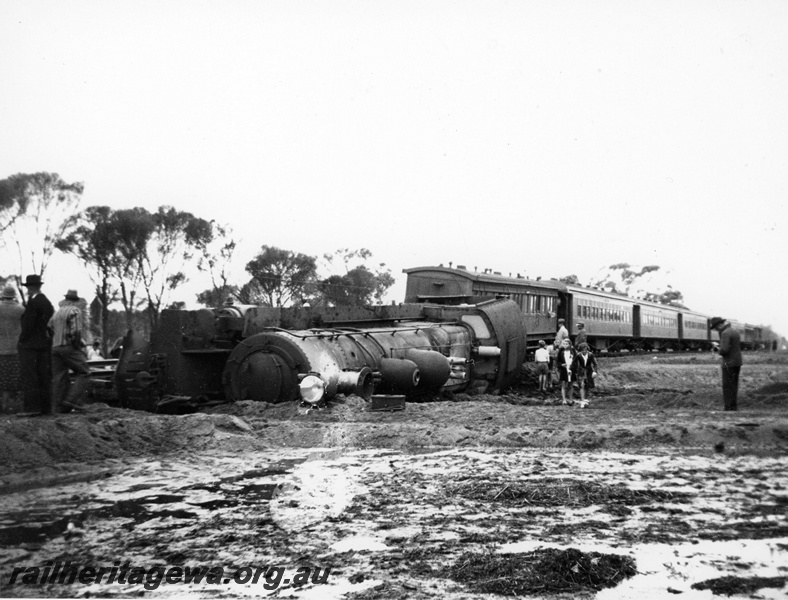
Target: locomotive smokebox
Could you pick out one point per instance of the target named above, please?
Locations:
(264, 367)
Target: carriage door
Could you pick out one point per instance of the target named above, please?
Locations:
(564, 310)
(635, 321)
(681, 327)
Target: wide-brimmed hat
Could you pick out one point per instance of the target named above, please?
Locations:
(32, 280)
(8, 292)
(715, 322)
(72, 295)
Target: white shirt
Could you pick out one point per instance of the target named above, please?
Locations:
(542, 355)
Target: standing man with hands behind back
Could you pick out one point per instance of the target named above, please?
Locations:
(730, 352)
(35, 349)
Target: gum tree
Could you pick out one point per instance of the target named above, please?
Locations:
(358, 285)
(215, 259)
(94, 241)
(175, 240)
(37, 210)
(281, 277)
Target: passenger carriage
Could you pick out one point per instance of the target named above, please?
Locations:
(538, 300)
(613, 322)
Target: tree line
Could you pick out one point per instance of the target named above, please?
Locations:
(137, 258)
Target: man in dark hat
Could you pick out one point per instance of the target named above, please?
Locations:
(35, 349)
(730, 352)
(68, 354)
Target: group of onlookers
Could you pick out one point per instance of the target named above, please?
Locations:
(572, 363)
(41, 347)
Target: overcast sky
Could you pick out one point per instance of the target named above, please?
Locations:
(545, 138)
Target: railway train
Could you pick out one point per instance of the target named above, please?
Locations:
(456, 331)
(613, 322)
(239, 352)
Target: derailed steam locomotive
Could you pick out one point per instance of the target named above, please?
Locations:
(310, 354)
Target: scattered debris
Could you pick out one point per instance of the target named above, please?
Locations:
(732, 584)
(542, 571)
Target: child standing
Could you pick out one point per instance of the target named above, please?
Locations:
(584, 370)
(563, 363)
(542, 358)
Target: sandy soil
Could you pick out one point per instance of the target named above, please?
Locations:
(398, 503)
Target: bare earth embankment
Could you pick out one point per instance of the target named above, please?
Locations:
(650, 491)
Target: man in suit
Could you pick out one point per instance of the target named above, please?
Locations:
(730, 352)
(35, 349)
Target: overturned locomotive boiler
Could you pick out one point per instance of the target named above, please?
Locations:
(277, 355)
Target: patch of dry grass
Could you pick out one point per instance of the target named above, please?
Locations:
(562, 492)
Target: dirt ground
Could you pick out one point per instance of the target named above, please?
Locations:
(407, 504)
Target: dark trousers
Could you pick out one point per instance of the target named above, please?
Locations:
(35, 372)
(64, 360)
(730, 386)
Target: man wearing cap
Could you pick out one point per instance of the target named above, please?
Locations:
(582, 336)
(730, 352)
(68, 354)
(561, 335)
(35, 349)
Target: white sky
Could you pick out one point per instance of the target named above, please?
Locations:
(545, 138)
